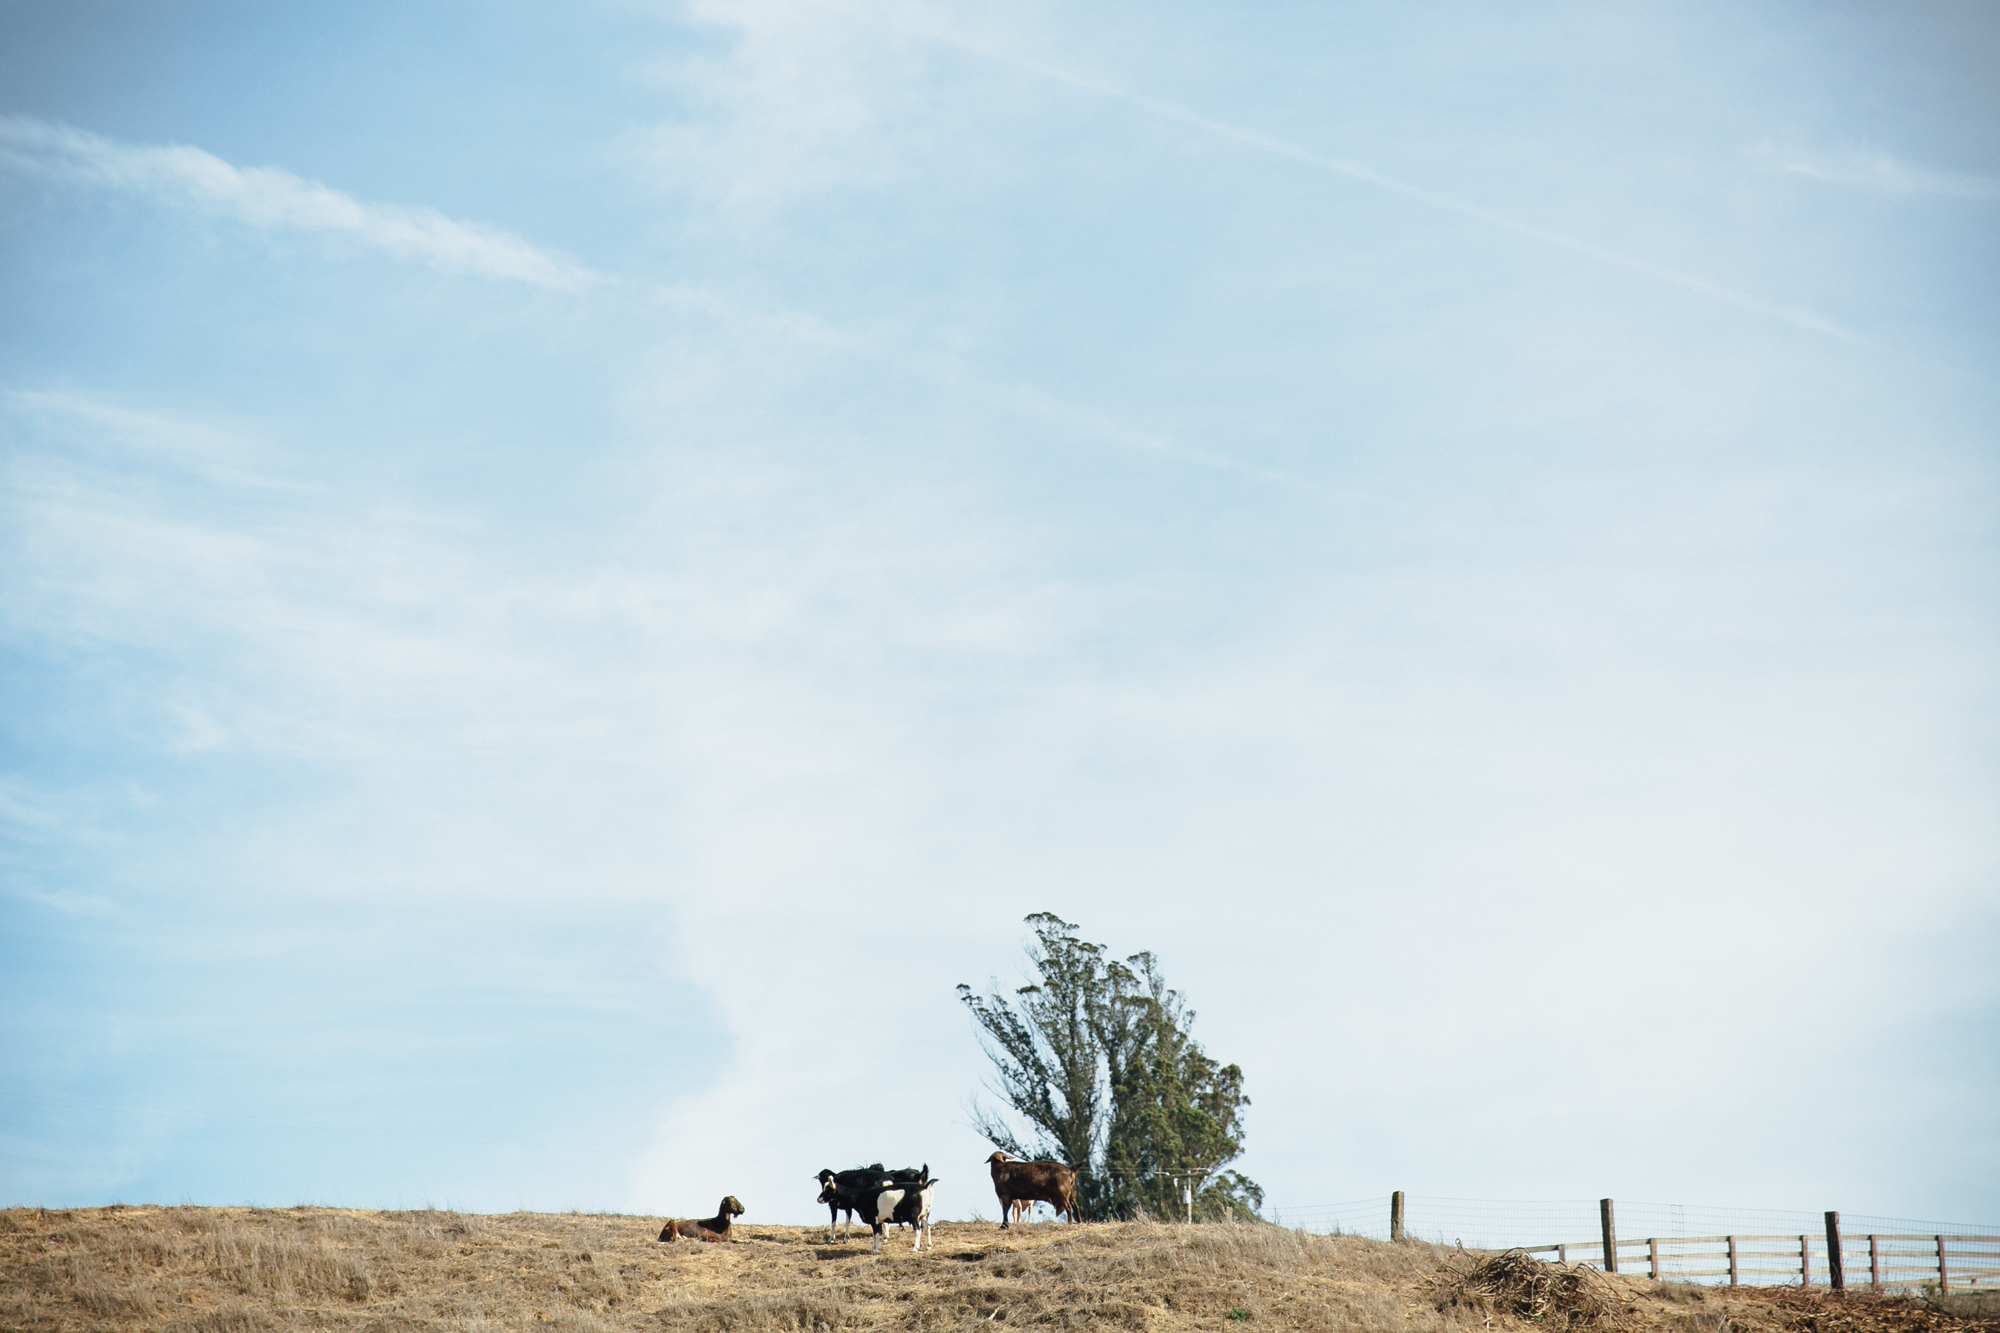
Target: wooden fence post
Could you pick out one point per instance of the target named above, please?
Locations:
(1396, 1215)
(1836, 1265)
(1732, 1259)
(1611, 1236)
(1944, 1276)
(1805, 1261)
(1874, 1265)
(1653, 1257)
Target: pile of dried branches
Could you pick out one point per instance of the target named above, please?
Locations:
(1512, 1283)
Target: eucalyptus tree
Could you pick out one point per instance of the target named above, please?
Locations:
(1096, 1055)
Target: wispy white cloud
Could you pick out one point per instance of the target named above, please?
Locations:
(805, 101)
(274, 200)
(1874, 170)
(23, 808)
(221, 453)
(69, 904)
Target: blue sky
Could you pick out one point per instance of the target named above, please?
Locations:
(567, 574)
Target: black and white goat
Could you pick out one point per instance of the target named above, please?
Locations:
(908, 1204)
(881, 1198)
(844, 1191)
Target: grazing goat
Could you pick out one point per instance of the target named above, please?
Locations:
(1028, 1182)
(842, 1191)
(708, 1228)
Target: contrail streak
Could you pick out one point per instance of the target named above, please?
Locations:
(1076, 416)
(1368, 175)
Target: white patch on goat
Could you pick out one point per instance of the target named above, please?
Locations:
(885, 1213)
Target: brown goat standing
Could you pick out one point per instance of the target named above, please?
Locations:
(1026, 1182)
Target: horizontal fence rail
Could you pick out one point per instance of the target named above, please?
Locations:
(1737, 1246)
(1950, 1262)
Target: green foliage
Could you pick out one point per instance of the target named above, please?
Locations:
(1098, 1057)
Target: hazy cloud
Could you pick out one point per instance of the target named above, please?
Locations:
(275, 200)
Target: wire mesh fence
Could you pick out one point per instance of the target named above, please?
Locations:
(1684, 1242)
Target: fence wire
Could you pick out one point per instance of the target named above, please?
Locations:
(1787, 1244)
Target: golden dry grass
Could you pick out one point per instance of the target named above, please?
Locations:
(243, 1270)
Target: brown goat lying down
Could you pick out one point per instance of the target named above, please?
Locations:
(707, 1228)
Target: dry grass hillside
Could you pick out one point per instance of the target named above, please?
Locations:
(241, 1270)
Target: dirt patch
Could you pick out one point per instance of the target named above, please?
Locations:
(1808, 1311)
